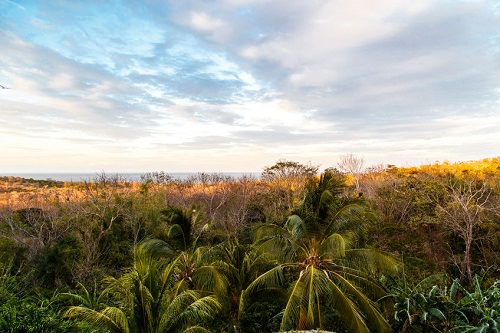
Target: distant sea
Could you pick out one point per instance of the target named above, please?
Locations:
(79, 177)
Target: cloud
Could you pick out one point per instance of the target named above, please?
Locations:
(391, 80)
(214, 28)
(66, 93)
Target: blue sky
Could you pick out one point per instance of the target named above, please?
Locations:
(235, 85)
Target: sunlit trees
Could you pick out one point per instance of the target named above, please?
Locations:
(42, 235)
(286, 180)
(104, 227)
(251, 255)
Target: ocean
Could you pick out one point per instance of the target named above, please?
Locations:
(79, 177)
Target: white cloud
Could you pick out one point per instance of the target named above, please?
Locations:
(214, 28)
(248, 81)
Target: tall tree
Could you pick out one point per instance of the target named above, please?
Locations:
(330, 278)
(286, 180)
(352, 165)
(466, 207)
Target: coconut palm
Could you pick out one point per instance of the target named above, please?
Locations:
(92, 299)
(150, 297)
(225, 269)
(333, 283)
(181, 227)
(242, 267)
(197, 267)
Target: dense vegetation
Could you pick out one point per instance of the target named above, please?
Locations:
(350, 249)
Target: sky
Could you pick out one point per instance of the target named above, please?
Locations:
(236, 85)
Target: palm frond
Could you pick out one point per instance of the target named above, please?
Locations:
(170, 314)
(196, 329)
(346, 217)
(167, 276)
(144, 305)
(303, 309)
(110, 318)
(295, 225)
(118, 290)
(76, 299)
(346, 309)
(278, 247)
(176, 235)
(90, 299)
(273, 278)
(118, 317)
(155, 248)
(334, 246)
(202, 309)
(325, 200)
(264, 230)
(210, 278)
(375, 320)
(372, 261)
(295, 306)
(362, 280)
(188, 308)
(209, 254)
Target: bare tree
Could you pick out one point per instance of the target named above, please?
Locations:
(464, 209)
(102, 206)
(234, 216)
(213, 189)
(37, 222)
(352, 165)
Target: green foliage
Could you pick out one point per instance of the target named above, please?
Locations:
(288, 169)
(325, 276)
(325, 211)
(241, 267)
(430, 307)
(424, 307)
(116, 246)
(54, 264)
(482, 308)
(261, 316)
(13, 284)
(180, 227)
(12, 252)
(155, 295)
(303, 257)
(28, 315)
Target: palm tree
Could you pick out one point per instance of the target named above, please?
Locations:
(197, 267)
(242, 267)
(92, 299)
(181, 227)
(150, 297)
(331, 279)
